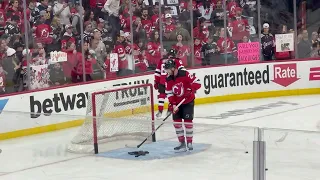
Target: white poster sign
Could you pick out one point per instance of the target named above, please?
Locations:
(284, 42)
(58, 56)
(114, 62)
(172, 2)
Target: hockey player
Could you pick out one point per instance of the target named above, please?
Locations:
(181, 85)
(160, 79)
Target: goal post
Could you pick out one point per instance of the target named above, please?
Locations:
(125, 113)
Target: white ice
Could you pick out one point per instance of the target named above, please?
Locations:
(291, 154)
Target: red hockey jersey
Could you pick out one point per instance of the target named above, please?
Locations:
(240, 28)
(43, 33)
(153, 52)
(160, 74)
(197, 54)
(120, 50)
(177, 87)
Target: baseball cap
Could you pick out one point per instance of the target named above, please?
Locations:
(265, 25)
(168, 16)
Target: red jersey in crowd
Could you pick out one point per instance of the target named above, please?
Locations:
(11, 12)
(139, 61)
(97, 3)
(127, 47)
(120, 50)
(147, 25)
(155, 21)
(160, 74)
(4, 4)
(66, 38)
(231, 7)
(197, 53)
(240, 28)
(153, 52)
(43, 33)
(169, 26)
(177, 87)
(182, 52)
(226, 46)
(89, 61)
(202, 34)
(125, 22)
(70, 66)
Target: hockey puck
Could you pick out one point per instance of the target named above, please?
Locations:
(247, 152)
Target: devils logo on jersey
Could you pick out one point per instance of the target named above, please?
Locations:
(178, 89)
(44, 33)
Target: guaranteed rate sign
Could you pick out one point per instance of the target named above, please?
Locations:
(248, 52)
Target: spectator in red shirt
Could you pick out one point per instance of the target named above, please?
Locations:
(169, 24)
(120, 50)
(240, 26)
(14, 10)
(146, 22)
(197, 51)
(227, 47)
(89, 60)
(70, 66)
(67, 37)
(153, 49)
(183, 50)
(42, 32)
(231, 8)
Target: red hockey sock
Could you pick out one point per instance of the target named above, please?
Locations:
(161, 98)
(188, 124)
(179, 129)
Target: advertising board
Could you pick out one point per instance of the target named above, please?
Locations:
(218, 84)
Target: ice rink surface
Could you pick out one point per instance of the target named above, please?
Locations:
(292, 154)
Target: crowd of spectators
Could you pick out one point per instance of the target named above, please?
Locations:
(118, 41)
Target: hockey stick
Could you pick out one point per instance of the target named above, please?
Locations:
(139, 145)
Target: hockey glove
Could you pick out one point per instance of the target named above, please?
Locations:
(173, 108)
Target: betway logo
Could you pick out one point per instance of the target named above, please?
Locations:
(62, 103)
(236, 79)
(285, 74)
(58, 103)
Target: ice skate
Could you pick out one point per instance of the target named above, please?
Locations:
(189, 146)
(181, 147)
(159, 114)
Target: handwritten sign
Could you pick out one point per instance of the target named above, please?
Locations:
(58, 56)
(39, 76)
(284, 42)
(248, 52)
(114, 62)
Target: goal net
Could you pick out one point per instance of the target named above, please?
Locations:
(117, 114)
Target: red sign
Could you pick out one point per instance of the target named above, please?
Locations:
(314, 74)
(285, 74)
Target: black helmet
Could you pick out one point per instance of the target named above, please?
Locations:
(169, 64)
(172, 52)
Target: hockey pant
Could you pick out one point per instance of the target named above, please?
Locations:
(161, 97)
(185, 113)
